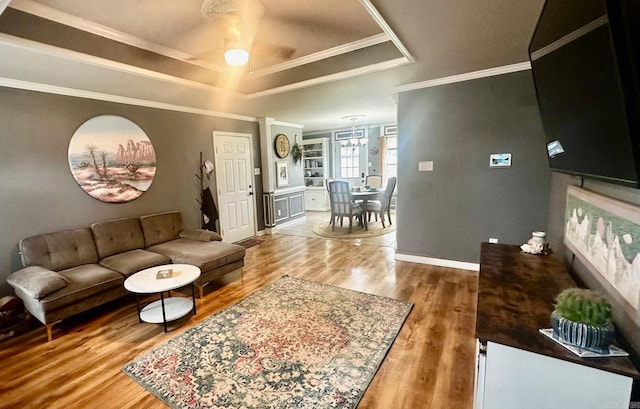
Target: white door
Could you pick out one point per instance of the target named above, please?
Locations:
(234, 181)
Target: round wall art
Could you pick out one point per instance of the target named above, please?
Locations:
(112, 159)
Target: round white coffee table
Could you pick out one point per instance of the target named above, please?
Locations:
(169, 308)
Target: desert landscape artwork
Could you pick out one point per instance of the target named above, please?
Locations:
(112, 159)
(605, 233)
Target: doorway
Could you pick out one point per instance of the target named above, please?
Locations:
(234, 185)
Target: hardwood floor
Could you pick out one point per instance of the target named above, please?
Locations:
(430, 365)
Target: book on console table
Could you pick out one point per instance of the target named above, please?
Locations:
(583, 353)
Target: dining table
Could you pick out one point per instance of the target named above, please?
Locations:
(365, 196)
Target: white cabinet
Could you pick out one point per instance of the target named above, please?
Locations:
(316, 165)
(517, 366)
(510, 378)
(316, 198)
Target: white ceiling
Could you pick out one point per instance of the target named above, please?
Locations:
(346, 56)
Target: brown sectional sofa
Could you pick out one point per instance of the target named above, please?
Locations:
(71, 271)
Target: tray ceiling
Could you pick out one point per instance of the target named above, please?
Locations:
(177, 39)
(336, 58)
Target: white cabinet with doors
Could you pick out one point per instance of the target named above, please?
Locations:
(316, 198)
(517, 367)
(315, 162)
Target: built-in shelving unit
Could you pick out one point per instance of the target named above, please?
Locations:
(315, 162)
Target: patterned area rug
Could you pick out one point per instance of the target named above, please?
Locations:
(291, 344)
(250, 242)
(357, 232)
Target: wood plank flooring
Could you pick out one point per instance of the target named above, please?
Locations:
(431, 363)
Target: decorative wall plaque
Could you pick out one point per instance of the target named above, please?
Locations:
(282, 145)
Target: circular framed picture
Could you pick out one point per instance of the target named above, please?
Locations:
(112, 159)
(282, 145)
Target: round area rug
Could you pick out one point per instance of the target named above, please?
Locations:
(357, 232)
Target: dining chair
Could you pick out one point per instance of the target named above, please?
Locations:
(326, 183)
(373, 181)
(384, 205)
(341, 204)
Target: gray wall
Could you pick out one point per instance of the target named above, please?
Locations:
(447, 213)
(296, 177)
(374, 142)
(38, 193)
(626, 322)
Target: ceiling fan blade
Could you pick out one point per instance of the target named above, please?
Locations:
(283, 53)
(211, 8)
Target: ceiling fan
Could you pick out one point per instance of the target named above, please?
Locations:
(242, 18)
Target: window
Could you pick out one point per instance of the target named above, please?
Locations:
(349, 161)
(391, 157)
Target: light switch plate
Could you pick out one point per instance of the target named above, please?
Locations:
(425, 166)
(256, 171)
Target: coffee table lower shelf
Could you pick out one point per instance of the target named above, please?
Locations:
(174, 308)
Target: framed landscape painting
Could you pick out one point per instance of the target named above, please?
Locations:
(112, 159)
(604, 234)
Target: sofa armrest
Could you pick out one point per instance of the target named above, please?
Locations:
(37, 281)
(200, 235)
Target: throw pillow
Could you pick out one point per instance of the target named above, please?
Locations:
(200, 235)
(37, 281)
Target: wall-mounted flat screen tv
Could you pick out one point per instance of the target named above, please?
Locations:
(585, 61)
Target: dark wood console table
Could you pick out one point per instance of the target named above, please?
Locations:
(516, 294)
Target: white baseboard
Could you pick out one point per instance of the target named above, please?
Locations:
(438, 262)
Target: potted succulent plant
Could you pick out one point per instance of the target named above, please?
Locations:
(583, 318)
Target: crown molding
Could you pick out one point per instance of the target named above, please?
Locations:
(490, 72)
(373, 12)
(321, 55)
(385, 65)
(574, 35)
(287, 124)
(46, 12)
(49, 13)
(3, 5)
(72, 92)
(70, 55)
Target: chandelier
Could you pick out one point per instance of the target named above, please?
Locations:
(354, 140)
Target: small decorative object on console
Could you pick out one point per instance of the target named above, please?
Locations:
(583, 318)
(537, 244)
(164, 274)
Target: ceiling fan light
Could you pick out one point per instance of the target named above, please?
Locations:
(236, 56)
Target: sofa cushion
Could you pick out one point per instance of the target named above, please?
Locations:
(117, 236)
(84, 281)
(161, 227)
(37, 281)
(60, 250)
(205, 255)
(200, 235)
(133, 261)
